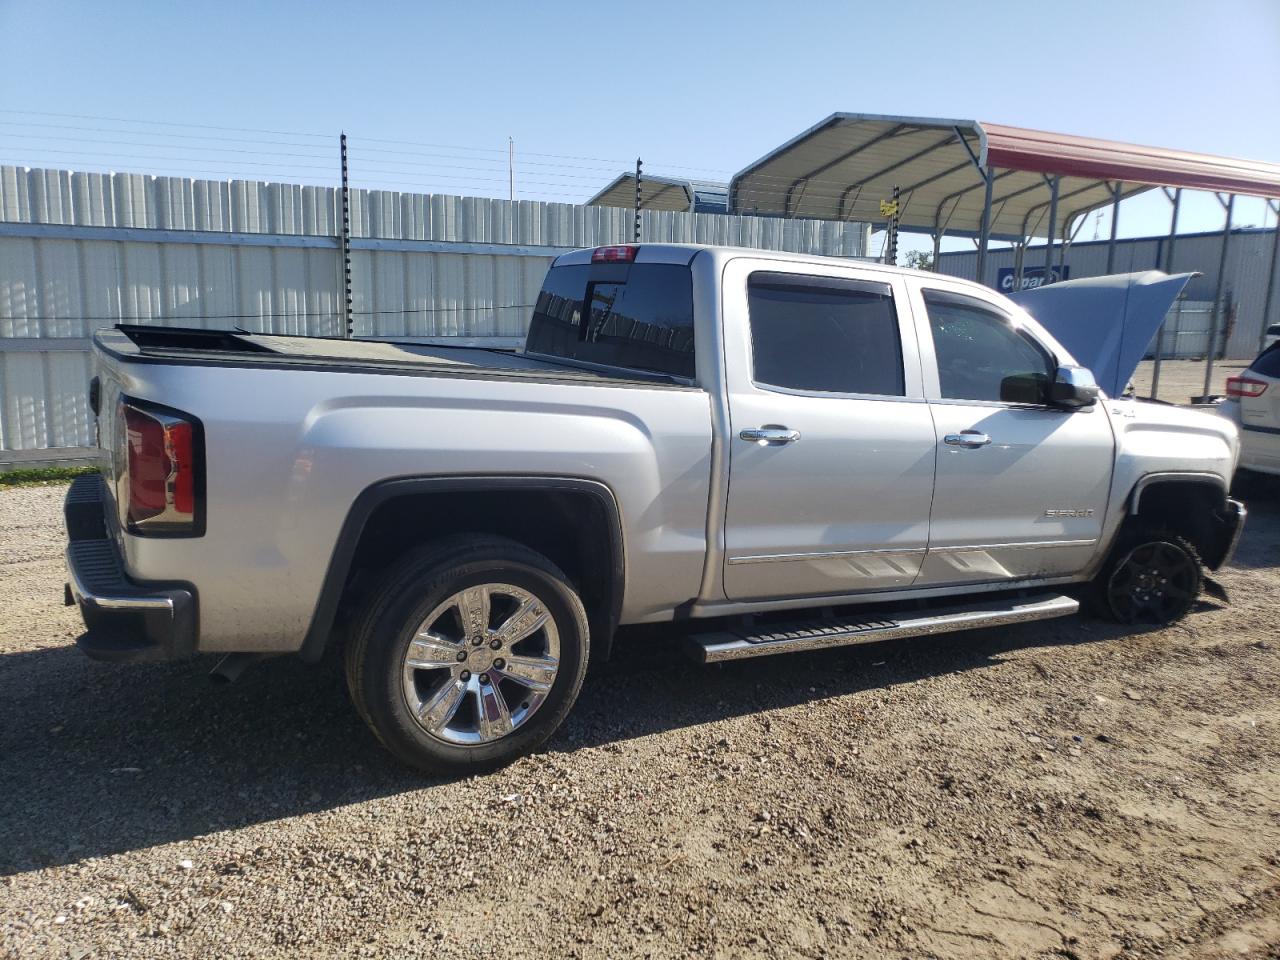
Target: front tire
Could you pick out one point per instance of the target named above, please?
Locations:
(470, 654)
(1152, 577)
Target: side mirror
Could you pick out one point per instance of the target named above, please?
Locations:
(1073, 387)
(1029, 388)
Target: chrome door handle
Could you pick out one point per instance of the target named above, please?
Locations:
(770, 435)
(967, 438)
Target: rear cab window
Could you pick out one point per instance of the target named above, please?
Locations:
(633, 316)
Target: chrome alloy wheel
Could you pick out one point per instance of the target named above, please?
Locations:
(481, 664)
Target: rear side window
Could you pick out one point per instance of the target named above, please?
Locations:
(633, 315)
(1268, 362)
(823, 334)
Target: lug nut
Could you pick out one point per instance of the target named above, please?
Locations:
(462, 655)
(476, 641)
(484, 678)
(499, 664)
(495, 644)
(464, 676)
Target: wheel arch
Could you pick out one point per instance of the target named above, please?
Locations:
(1194, 505)
(595, 554)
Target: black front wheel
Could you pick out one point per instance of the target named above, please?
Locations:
(1153, 577)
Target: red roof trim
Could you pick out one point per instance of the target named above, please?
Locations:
(1056, 153)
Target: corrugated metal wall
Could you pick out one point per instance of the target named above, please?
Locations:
(81, 251)
(1248, 263)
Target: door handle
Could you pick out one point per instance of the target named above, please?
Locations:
(771, 435)
(967, 438)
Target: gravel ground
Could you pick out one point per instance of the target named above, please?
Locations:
(1180, 380)
(1059, 790)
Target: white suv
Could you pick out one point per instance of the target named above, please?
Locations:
(1253, 403)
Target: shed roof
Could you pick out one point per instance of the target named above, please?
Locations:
(842, 168)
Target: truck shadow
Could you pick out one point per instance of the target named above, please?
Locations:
(98, 759)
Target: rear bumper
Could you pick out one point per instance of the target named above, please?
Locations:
(124, 619)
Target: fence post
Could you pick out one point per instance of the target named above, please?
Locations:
(635, 230)
(347, 327)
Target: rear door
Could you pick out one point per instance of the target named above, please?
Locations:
(832, 446)
(1021, 488)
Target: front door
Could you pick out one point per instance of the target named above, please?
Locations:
(1021, 488)
(831, 452)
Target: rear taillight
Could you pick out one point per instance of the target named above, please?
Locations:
(160, 472)
(1245, 387)
(621, 254)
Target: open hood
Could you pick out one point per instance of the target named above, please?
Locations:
(1106, 322)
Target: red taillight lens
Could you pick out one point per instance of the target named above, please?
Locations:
(148, 465)
(160, 471)
(1245, 387)
(623, 254)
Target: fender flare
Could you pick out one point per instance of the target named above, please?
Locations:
(371, 498)
(1152, 479)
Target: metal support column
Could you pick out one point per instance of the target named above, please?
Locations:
(1271, 276)
(1053, 227)
(1215, 324)
(347, 330)
(988, 176)
(1115, 224)
(937, 249)
(1176, 200)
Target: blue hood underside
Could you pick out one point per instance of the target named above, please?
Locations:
(1106, 322)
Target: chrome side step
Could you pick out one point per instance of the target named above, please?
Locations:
(766, 639)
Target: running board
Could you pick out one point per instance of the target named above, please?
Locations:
(765, 639)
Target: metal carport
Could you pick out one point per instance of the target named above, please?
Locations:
(662, 193)
(982, 180)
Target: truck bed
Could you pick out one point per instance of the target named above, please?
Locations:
(180, 345)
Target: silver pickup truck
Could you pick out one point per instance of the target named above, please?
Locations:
(769, 452)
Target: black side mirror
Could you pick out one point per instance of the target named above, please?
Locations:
(1032, 388)
(1073, 387)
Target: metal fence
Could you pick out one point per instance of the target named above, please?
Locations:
(82, 251)
(1186, 331)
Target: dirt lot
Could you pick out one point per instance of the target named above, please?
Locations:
(1055, 790)
(1180, 380)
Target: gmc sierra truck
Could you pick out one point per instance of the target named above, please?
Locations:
(769, 452)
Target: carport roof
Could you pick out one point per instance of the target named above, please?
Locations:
(844, 166)
(657, 193)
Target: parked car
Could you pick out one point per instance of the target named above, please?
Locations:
(1271, 336)
(1253, 404)
(769, 452)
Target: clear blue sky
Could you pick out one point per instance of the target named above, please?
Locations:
(700, 89)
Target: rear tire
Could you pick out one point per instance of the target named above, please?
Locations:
(1152, 577)
(470, 654)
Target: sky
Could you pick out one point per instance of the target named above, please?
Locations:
(429, 92)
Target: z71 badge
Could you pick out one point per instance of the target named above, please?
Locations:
(1067, 514)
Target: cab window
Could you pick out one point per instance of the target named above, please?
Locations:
(982, 356)
(824, 335)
